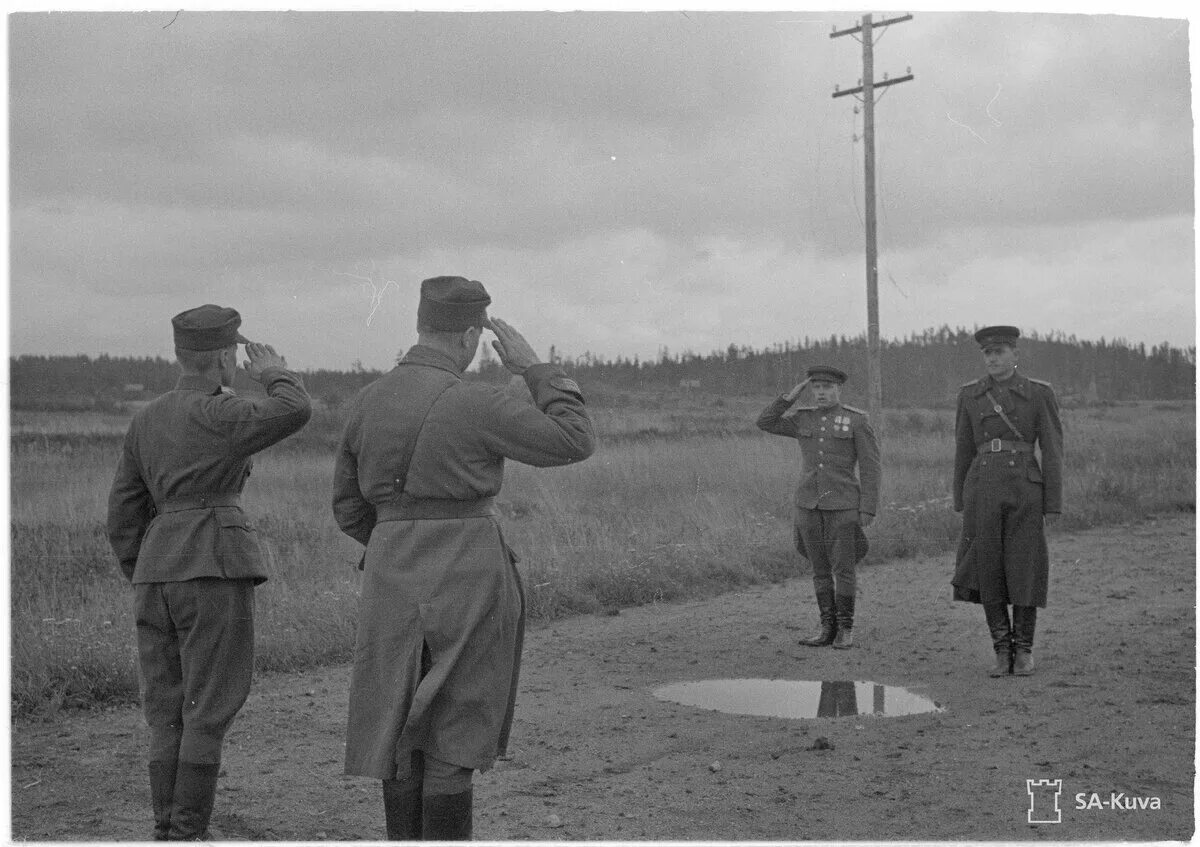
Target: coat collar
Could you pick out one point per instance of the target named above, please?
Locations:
(196, 382)
(1018, 385)
(420, 354)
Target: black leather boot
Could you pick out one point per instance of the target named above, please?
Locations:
(1002, 637)
(162, 795)
(402, 809)
(195, 791)
(825, 635)
(1024, 624)
(844, 609)
(447, 817)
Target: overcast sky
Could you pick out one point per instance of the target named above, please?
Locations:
(621, 182)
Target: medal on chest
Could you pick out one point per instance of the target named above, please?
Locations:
(841, 423)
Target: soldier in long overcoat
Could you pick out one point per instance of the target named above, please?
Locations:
(176, 525)
(838, 493)
(442, 612)
(1006, 496)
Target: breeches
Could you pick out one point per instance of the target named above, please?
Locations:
(196, 658)
(828, 536)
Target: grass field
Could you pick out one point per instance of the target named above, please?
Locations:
(684, 497)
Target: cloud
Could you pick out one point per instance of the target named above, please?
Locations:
(648, 179)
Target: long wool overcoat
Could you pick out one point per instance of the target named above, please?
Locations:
(441, 619)
(1003, 491)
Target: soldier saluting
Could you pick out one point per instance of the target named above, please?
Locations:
(176, 525)
(442, 616)
(1006, 496)
(832, 504)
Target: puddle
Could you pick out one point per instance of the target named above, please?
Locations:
(786, 698)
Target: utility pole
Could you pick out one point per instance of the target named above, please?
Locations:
(866, 87)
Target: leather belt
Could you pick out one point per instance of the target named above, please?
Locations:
(997, 445)
(203, 501)
(434, 509)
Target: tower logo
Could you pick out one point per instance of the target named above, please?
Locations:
(1043, 800)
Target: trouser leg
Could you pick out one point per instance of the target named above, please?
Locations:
(810, 528)
(215, 622)
(1001, 632)
(447, 801)
(161, 678)
(840, 529)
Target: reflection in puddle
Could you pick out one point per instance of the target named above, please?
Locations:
(787, 698)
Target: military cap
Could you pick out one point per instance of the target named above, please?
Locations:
(861, 545)
(452, 304)
(826, 372)
(207, 327)
(997, 335)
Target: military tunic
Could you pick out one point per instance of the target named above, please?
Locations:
(180, 536)
(830, 495)
(442, 615)
(1003, 491)
(832, 441)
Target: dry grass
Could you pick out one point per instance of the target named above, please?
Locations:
(685, 500)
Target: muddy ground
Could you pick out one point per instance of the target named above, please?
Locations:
(594, 756)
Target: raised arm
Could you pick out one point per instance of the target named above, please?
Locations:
(254, 424)
(772, 420)
(556, 429)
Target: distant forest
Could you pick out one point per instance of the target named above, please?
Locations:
(922, 370)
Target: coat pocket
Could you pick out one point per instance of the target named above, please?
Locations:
(238, 550)
(1032, 472)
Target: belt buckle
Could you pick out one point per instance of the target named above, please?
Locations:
(995, 446)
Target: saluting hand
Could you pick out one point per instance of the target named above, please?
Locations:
(262, 357)
(514, 351)
(795, 392)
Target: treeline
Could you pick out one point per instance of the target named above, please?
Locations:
(923, 369)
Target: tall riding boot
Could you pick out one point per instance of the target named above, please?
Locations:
(1024, 623)
(1002, 637)
(844, 609)
(447, 817)
(824, 637)
(162, 794)
(195, 791)
(402, 809)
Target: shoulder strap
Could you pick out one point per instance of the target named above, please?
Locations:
(419, 414)
(1000, 411)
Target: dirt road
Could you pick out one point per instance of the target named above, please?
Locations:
(594, 756)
